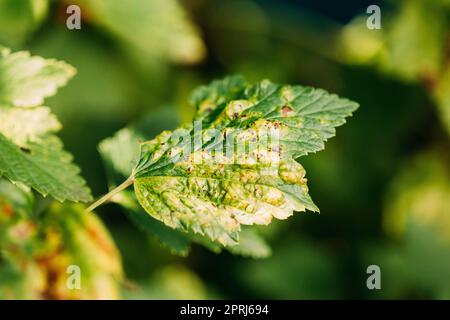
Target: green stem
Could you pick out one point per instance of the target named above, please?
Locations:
(111, 194)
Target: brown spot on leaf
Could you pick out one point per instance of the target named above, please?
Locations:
(286, 111)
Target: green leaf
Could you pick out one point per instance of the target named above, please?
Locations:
(442, 98)
(119, 153)
(421, 195)
(63, 236)
(299, 269)
(171, 282)
(251, 245)
(26, 80)
(177, 242)
(30, 152)
(155, 28)
(44, 166)
(416, 214)
(212, 179)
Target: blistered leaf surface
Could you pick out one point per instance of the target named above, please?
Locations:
(238, 167)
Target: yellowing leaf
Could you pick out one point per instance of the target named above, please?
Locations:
(238, 167)
(30, 152)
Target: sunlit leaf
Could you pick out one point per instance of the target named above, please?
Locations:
(30, 152)
(159, 28)
(211, 192)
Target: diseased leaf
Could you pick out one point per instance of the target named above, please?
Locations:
(13, 201)
(300, 266)
(30, 152)
(236, 166)
(420, 195)
(119, 153)
(63, 236)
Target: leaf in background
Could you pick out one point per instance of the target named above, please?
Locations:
(177, 242)
(64, 235)
(251, 245)
(442, 97)
(421, 195)
(417, 214)
(359, 44)
(14, 201)
(156, 28)
(18, 19)
(205, 190)
(120, 151)
(411, 46)
(416, 41)
(109, 88)
(26, 80)
(171, 282)
(24, 125)
(298, 269)
(30, 153)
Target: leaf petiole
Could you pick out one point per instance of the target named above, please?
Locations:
(111, 194)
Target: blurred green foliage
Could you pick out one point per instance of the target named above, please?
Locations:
(382, 184)
(38, 247)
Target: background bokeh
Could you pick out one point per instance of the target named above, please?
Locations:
(382, 184)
